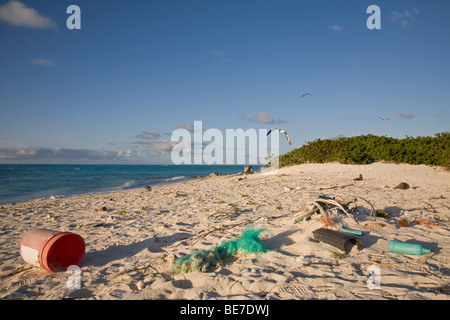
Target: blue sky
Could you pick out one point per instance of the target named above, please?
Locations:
(114, 91)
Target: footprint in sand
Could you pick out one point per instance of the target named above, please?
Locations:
(296, 290)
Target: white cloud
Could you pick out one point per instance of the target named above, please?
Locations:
(148, 135)
(405, 115)
(261, 117)
(162, 146)
(158, 146)
(186, 126)
(43, 62)
(336, 28)
(405, 18)
(16, 13)
(61, 155)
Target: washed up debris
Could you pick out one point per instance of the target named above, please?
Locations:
(327, 222)
(360, 178)
(402, 186)
(445, 289)
(103, 209)
(337, 187)
(408, 248)
(382, 214)
(348, 230)
(424, 222)
(342, 241)
(405, 223)
(202, 260)
(52, 250)
(308, 211)
(52, 216)
(324, 204)
(248, 169)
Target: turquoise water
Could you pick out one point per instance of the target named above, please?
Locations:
(37, 182)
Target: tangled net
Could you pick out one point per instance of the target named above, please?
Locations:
(202, 260)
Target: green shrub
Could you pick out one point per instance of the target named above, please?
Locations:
(368, 148)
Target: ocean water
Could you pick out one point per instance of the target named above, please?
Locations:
(37, 182)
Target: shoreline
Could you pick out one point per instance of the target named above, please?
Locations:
(88, 194)
(99, 193)
(166, 181)
(131, 247)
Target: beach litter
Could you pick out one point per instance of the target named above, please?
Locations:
(351, 231)
(325, 204)
(408, 248)
(342, 241)
(403, 223)
(424, 222)
(382, 214)
(52, 250)
(202, 260)
(402, 186)
(445, 289)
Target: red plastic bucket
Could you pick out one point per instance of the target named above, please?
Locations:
(52, 250)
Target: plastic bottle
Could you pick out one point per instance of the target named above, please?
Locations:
(348, 230)
(409, 248)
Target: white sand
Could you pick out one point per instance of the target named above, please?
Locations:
(128, 255)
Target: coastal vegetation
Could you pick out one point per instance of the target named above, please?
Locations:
(369, 148)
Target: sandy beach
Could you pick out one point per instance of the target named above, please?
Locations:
(132, 245)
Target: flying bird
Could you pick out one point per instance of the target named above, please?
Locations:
(306, 94)
(384, 119)
(281, 131)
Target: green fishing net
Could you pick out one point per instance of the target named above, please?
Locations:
(201, 260)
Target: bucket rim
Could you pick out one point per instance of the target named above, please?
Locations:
(46, 248)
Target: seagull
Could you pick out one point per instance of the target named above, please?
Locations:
(384, 119)
(306, 94)
(281, 131)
